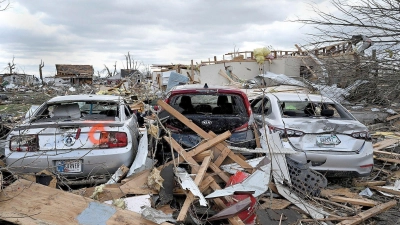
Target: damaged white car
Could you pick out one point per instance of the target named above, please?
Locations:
(332, 139)
(75, 136)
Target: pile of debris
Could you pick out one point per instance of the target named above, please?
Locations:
(212, 183)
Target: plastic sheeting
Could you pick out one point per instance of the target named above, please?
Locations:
(176, 79)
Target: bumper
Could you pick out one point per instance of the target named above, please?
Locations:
(94, 161)
(337, 164)
(243, 139)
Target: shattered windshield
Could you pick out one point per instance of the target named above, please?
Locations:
(313, 109)
(80, 110)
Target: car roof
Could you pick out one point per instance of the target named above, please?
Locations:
(67, 98)
(301, 97)
(198, 87)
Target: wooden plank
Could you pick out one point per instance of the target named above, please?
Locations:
(24, 202)
(384, 144)
(256, 136)
(396, 155)
(397, 161)
(392, 117)
(369, 213)
(387, 190)
(274, 203)
(210, 143)
(190, 197)
(175, 145)
(195, 166)
(220, 147)
(368, 183)
(353, 201)
(138, 184)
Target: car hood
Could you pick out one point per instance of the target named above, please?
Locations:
(315, 126)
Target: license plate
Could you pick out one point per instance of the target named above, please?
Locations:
(69, 166)
(328, 140)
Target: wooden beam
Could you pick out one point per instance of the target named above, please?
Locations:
(391, 191)
(210, 143)
(397, 161)
(353, 201)
(193, 162)
(369, 213)
(392, 117)
(25, 202)
(219, 147)
(384, 144)
(368, 183)
(195, 166)
(190, 197)
(396, 155)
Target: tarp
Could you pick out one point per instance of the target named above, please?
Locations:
(176, 79)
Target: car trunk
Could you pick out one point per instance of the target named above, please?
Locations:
(326, 134)
(69, 135)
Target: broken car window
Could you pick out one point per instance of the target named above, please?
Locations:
(313, 109)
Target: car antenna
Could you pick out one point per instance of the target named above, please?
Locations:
(205, 85)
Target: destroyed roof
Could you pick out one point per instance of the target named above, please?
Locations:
(128, 72)
(66, 70)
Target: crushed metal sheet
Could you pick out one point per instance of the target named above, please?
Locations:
(256, 182)
(167, 191)
(142, 162)
(366, 192)
(187, 183)
(118, 175)
(232, 210)
(234, 167)
(156, 216)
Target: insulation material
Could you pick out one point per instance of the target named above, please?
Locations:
(260, 54)
(154, 181)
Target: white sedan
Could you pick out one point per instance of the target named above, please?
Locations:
(75, 136)
(332, 140)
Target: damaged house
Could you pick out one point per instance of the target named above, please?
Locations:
(76, 74)
(341, 63)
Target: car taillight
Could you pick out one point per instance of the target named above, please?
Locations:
(362, 135)
(286, 132)
(242, 128)
(113, 139)
(24, 143)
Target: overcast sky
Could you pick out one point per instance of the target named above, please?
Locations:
(98, 32)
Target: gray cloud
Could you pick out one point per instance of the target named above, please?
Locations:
(100, 32)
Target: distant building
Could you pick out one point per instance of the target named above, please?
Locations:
(18, 79)
(76, 74)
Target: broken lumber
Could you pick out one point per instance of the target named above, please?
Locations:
(397, 161)
(219, 147)
(137, 184)
(274, 203)
(190, 197)
(353, 201)
(368, 183)
(384, 144)
(369, 213)
(26, 202)
(387, 190)
(392, 117)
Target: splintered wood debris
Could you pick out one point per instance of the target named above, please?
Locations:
(237, 189)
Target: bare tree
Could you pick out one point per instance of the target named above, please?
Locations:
(4, 4)
(362, 23)
(41, 65)
(11, 65)
(108, 71)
